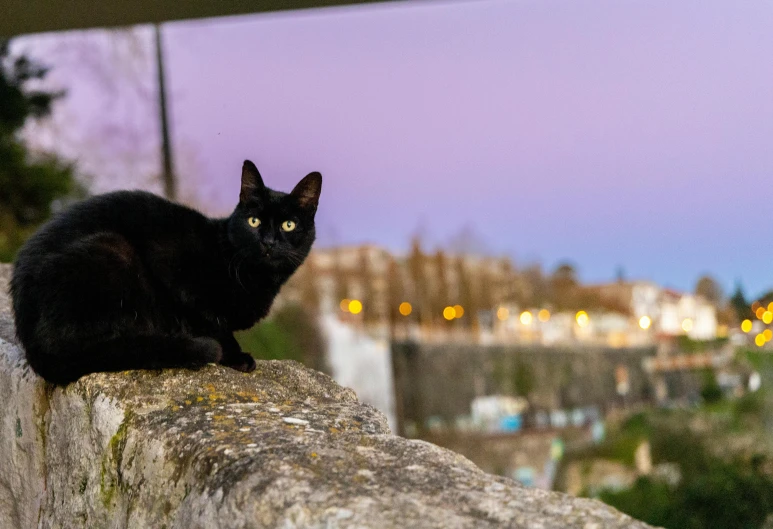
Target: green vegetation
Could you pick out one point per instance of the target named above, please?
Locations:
(689, 345)
(716, 486)
(30, 183)
(712, 492)
(291, 333)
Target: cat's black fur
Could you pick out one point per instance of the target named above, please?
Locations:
(128, 280)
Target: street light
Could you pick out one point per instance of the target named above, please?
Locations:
(355, 306)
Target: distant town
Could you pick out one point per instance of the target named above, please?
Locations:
(437, 296)
(512, 366)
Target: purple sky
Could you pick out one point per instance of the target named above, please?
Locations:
(610, 133)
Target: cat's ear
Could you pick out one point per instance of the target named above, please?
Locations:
(252, 182)
(307, 191)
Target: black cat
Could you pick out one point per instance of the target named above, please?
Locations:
(128, 280)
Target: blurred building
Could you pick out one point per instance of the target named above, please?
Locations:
(438, 296)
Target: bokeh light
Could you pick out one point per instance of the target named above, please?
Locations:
(645, 322)
(503, 313)
(405, 308)
(544, 315)
(582, 318)
(355, 306)
(746, 325)
(449, 313)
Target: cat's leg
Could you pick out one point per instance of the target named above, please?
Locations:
(63, 364)
(233, 356)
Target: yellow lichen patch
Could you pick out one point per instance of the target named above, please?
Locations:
(199, 399)
(188, 402)
(255, 399)
(334, 430)
(314, 454)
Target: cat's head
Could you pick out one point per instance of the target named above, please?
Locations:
(275, 229)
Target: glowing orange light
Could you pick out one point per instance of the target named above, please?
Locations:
(405, 308)
(449, 313)
(768, 334)
(345, 305)
(759, 340)
(543, 315)
(759, 312)
(503, 313)
(459, 311)
(746, 325)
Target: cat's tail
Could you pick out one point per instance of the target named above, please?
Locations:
(64, 364)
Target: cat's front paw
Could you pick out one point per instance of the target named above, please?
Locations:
(243, 362)
(205, 350)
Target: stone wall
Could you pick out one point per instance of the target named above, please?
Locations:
(441, 380)
(284, 446)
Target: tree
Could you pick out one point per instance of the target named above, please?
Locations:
(32, 185)
(395, 292)
(416, 264)
(121, 142)
(537, 293)
(370, 315)
(739, 304)
(467, 296)
(307, 279)
(708, 288)
(441, 295)
(340, 276)
(563, 286)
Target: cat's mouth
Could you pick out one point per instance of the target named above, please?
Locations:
(273, 259)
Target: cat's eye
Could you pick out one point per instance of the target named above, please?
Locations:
(253, 221)
(288, 225)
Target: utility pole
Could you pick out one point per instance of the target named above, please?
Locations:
(167, 174)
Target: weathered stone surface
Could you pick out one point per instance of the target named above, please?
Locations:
(284, 446)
